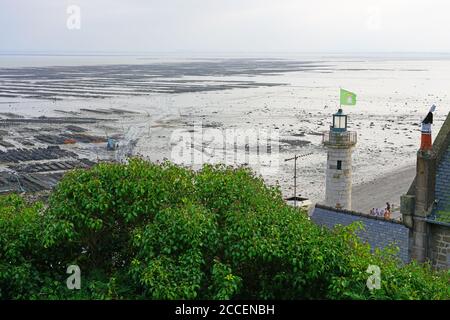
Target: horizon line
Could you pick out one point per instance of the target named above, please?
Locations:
(116, 52)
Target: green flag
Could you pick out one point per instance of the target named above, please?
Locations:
(348, 98)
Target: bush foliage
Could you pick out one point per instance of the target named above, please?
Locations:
(158, 231)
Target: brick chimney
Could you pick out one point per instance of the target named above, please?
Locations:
(424, 190)
(426, 168)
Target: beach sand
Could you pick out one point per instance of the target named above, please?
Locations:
(393, 96)
(388, 188)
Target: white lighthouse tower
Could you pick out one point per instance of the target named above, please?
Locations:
(340, 143)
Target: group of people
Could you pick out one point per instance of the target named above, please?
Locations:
(379, 212)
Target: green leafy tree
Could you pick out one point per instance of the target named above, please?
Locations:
(159, 231)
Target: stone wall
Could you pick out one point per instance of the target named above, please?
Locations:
(379, 233)
(440, 246)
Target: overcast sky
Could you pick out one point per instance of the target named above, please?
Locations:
(225, 26)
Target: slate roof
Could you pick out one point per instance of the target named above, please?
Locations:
(442, 190)
(441, 146)
(379, 233)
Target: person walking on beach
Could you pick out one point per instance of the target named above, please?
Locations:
(387, 212)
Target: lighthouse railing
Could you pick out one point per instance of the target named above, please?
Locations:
(345, 138)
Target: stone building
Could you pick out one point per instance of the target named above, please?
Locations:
(423, 233)
(425, 207)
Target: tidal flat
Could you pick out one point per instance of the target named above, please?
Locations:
(147, 104)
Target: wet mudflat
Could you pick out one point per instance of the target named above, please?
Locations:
(147, 105)
(35, 152)
(142, 79)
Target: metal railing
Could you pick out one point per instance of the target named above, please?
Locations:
(346, 138)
